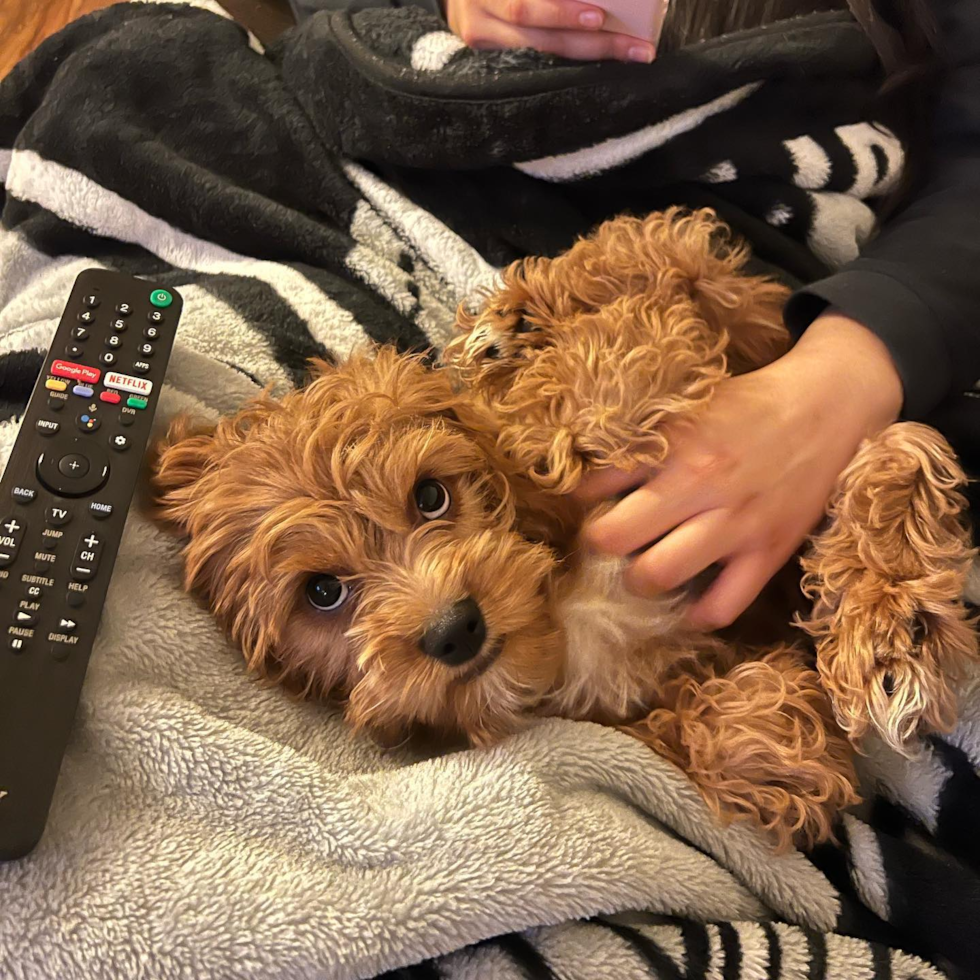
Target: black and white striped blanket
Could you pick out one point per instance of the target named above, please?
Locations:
(356, 183)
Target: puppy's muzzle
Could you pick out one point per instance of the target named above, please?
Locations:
(457, 636)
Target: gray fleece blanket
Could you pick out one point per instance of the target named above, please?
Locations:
(208, 828)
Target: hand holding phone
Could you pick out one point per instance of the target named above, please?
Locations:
(639, 18)
(625, 30)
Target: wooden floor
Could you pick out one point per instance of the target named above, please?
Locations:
(24, 24)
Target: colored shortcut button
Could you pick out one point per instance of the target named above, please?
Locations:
(75, 372)
(83, 391)
(53, 384)
(112, 397)
(161, 297)
(134, 402)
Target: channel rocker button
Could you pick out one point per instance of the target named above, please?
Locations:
(77, 372)
(126, 382)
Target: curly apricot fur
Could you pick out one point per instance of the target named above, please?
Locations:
(575, 363)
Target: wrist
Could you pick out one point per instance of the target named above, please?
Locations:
(855, 368)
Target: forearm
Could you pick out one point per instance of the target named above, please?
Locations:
(917, 286)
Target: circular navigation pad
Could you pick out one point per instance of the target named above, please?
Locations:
(74, 469)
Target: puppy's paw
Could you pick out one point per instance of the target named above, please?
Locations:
(761, 745)
(886, 577)
(892, 672)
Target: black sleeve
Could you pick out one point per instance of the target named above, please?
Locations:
(304, 8)
(917, 286)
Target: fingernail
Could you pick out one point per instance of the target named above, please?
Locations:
(591, 18)
(642, 53)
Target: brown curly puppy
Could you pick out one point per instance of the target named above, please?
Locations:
(389, 539)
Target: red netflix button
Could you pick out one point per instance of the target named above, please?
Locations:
(77, 372)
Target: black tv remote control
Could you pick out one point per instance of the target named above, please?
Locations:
(64, 497)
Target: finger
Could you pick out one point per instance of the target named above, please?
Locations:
(605, 484)
(682, 554)
(735, 589)
(578, 45)
(548, 13)
(645, 515)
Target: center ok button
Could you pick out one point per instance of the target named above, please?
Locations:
(74, 466)
(75, 469)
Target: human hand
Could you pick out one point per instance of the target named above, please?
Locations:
(560, 27)
(750, 477)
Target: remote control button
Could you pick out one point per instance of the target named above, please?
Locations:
(79, 333)
(87, 317)
(73, 350)
(75, 372)
(46, 427)
(43, 561)
(24, 495)
(83, 391)
(73, 484)
(87, 423)
(151, 333)
(60, 652)
(68, 625)
(53, 384)
(75, 599)
(118, 325)
(57, 516)
(24, 618)
(146, 349)
(86, 562)
(50, 537)
(17, 644)
(12, 533)
(113, 340)
(161, 297)
(120, 443)
(112, 397)
(108, 358)
(141, 367)
(55, 403)
(91, 301)
(74, 466)
(155, 316)
(36, 584)
(127, 418)
(125, 382)
(135, 402)
(124, 309)
(99, 510)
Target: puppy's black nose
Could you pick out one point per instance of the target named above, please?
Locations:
(457, 635)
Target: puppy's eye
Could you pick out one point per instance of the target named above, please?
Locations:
(326, 592)
(492, 352)
(432, 499)
(524, 327)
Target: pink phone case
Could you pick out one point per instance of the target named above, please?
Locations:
(639, 18)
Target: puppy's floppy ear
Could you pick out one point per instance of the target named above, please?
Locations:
(673, 256)
(710, 261)
(177, 463)
(192, 492)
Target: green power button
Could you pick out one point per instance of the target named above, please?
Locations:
(160, 297)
